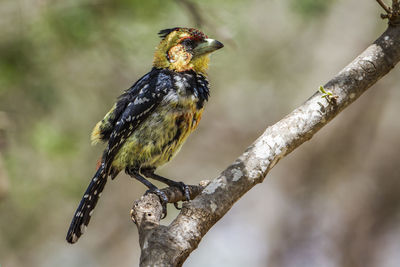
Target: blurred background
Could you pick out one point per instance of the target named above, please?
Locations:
(335, 201)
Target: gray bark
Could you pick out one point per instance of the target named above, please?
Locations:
(171, 245)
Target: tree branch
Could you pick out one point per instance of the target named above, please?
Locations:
(171, 245)
(392, 13)
(384, 6)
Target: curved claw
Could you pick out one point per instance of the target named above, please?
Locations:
(185, 190)
(176, 206)
(163, 200)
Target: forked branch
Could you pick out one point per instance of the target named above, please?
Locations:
(392, 13)
(171, 245)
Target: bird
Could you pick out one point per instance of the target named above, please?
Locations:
(151, 120)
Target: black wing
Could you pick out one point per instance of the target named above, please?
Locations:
(138, 103)
(132, 108)
(108, 123)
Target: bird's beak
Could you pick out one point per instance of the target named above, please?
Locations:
(207, 46)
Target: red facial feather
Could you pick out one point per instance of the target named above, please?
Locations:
(196, 34)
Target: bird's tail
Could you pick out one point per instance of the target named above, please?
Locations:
(85, 209)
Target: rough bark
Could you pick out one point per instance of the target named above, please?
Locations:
(171, 245)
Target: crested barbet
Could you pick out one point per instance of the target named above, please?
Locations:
(151, 120)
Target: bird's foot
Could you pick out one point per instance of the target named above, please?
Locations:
(186, 193)
(163, 199)
(182, 186)
(185, 190)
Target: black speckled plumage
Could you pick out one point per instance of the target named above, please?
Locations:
(151, 120)
(132, 108)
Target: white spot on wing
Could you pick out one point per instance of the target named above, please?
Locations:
(83, 228)
(140, 100)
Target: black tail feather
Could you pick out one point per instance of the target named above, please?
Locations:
(89, 200)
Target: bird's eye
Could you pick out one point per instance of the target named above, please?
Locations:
(187, 43)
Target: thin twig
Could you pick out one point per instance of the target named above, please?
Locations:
(392, 13)
(384, 6)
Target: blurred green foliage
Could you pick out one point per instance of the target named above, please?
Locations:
(52, 141)
(73, 26)
(40, 71)
(15, 62)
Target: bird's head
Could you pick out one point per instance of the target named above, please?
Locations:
(183, 49)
